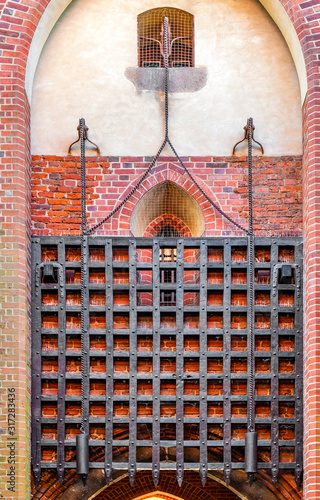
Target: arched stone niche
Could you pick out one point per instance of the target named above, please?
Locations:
(81, 72)
(167, 200)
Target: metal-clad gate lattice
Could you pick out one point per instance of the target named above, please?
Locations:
(165, 375)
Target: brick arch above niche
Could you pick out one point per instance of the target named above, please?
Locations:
(162, 221)
(167, 200)
(143, 486)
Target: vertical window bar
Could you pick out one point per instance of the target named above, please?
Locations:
(156, 364)
(298, 365)
(179, 361)
(227, 362)
(36, 360)
(274, 369)
(61, 364)
(203, 348)
(109, 361)
(133, 362)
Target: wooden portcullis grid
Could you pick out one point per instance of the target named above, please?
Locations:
(167, 360)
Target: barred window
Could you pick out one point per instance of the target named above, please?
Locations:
(150, 38)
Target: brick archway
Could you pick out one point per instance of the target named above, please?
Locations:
(120, 488)
(19, 22)
(143, 489)
(175, 174)
(96, 488)
(167, 219)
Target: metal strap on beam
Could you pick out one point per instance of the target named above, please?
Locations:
(133, 362)
(61, 367)
(203, 364)
(156, 364)
(109, 361)
(227, 362)
(179, 363)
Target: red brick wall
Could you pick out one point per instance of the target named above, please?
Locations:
(277, 193)
(191, 488)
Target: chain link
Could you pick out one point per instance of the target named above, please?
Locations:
(251, 424)
(166, 45)
(83, 263)
(226, 216)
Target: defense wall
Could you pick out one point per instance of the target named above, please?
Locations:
(18, 23)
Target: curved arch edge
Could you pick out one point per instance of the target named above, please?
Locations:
(279, 15)
(49, 18)
(56, 8)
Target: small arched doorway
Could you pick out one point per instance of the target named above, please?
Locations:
(167, 210)
(168, 489)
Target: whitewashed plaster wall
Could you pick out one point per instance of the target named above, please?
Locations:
(81, 72)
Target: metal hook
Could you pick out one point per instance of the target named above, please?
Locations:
(246, 137)
(85, 136)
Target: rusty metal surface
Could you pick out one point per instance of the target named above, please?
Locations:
(161, 456)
